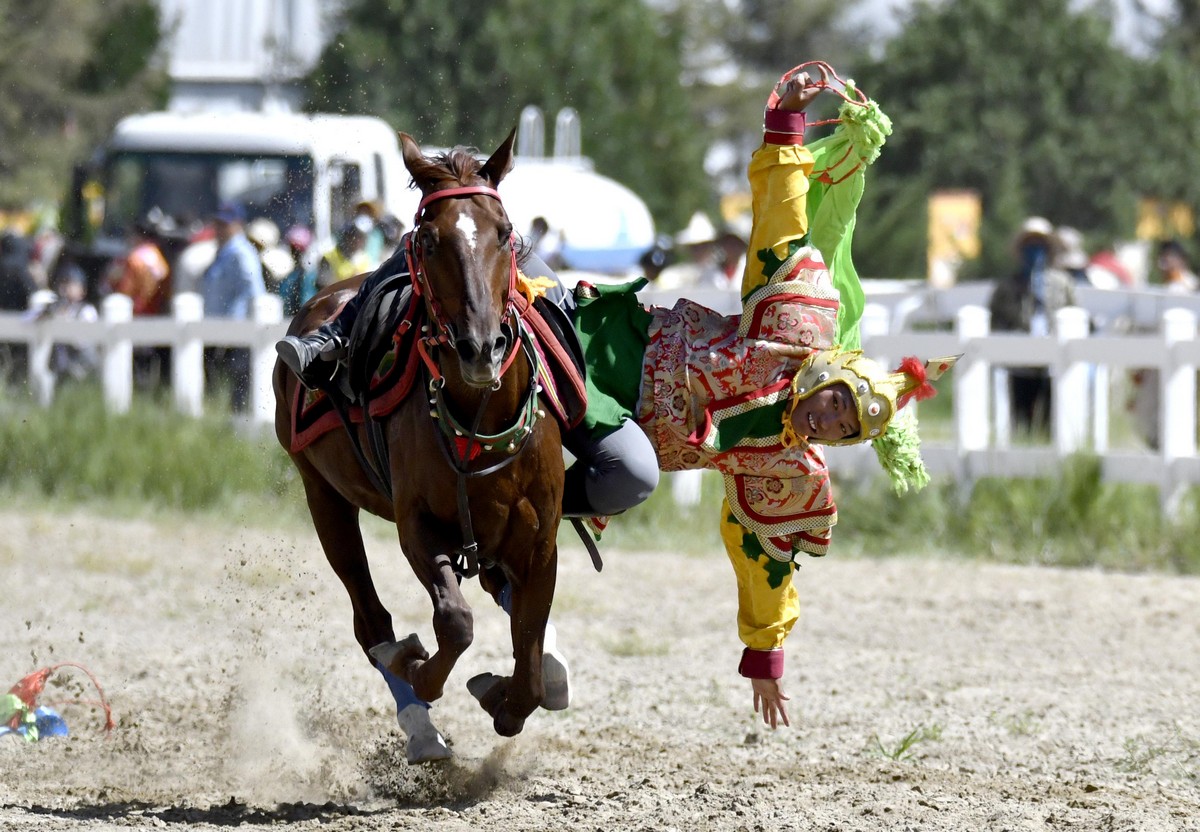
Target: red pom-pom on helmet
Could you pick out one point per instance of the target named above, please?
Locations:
(918, 386)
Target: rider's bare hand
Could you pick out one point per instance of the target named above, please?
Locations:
(768, 693)
(800, 90)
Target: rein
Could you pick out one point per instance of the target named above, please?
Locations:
(461, 446)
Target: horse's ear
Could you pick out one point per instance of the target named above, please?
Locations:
(412, 153)
(501, 162)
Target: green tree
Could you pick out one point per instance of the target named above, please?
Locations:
(734, 52)
(463, 76)
(1028, 102)
(69, 69)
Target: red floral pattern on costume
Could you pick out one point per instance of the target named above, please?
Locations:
(699, 360)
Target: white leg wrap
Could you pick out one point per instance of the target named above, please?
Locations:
(425, 743)
(556, 673)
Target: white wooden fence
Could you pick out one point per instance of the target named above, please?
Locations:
(187, 332)
(1081, 366)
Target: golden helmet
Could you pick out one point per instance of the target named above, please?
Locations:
(878, 394)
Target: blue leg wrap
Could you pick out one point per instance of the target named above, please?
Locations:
(401, 690)
(506, 599)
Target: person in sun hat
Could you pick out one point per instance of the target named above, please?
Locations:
(1027, 300)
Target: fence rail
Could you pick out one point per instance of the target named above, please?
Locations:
(1081, 365)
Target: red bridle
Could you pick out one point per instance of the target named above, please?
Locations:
(415, 257)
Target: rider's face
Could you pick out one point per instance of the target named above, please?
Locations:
(827, 414)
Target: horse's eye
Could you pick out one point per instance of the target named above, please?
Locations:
(428, 238)
(504, 234)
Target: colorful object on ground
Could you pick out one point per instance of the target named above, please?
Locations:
(21, 715)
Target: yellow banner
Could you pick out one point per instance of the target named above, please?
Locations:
(954, 218)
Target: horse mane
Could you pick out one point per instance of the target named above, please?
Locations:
(457, 166)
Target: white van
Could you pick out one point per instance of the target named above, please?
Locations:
(291, 168)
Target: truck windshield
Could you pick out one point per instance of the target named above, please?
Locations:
(188, 187)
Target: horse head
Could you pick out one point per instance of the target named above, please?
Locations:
(462, 255)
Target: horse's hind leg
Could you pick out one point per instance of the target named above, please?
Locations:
(336, 523)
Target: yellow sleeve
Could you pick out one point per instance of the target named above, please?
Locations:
(779, 200)
(768, 604)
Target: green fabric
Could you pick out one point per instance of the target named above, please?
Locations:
(12, 706)
(843, 158)
(899, 452)
(758, 423)
(613, 328)
(753, 550)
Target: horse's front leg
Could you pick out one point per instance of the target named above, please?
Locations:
(511, 700)
(453, 624)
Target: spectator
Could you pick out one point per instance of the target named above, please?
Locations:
(67, 361)
(1177, 278)
(347, 258)
(393, 231)
(1070, 255)
(656, 258)
(194, 260)
(16, 278)
(1027, 302)
(546, 243)
(144, 274)
(366, 217)
(729, 261)
(1173, 266)
(229, 287)
(276, 261)
(300, 284)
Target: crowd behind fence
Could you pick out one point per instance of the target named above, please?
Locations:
(1107, 335)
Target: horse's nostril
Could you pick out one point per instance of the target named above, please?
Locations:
(466, 349)
(500, 347)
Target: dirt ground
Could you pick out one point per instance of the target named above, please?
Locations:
(1030, 698)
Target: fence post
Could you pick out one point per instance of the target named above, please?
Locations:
(1099, 378)
(1069, 385)
(187, 354)
(1177, 410)
(268, 314)
(971, 381)
(117, 365)
(875, 322)
(40, 351)
(687, 486)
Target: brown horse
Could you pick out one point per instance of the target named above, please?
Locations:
(471, 462)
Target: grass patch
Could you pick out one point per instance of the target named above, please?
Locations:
(152, 460)
(1073, 519)
(147, 460)
(904, 748)
(632, 644)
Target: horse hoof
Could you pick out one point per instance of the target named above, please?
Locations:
(556, 673)
(478, 686)
(425, 742)
(507, 725)
(390, 653)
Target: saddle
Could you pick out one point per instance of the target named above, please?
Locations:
(383, 365)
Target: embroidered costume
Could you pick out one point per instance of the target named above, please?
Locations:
(716, 392)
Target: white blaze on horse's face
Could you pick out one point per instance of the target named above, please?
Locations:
(466, 227)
